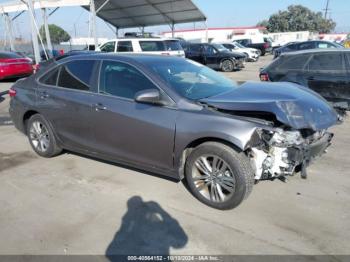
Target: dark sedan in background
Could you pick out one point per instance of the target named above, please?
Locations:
(298, 46)
(326, 71)
(13, 65)
(215, 56)
(173, 117)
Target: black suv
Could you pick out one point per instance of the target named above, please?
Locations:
(326, 71)
(298, 46)
(215, 56)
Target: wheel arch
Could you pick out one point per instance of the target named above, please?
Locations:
(27, 115)
(185, 152)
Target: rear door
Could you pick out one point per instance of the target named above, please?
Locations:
(65, 96)
(327, 75)
(210, 56)
(194, 52)
(127, 130)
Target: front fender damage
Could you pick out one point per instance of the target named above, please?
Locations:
(276, 153)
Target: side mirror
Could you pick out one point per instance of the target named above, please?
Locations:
(149, 96)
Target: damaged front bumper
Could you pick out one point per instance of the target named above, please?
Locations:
(288, 153)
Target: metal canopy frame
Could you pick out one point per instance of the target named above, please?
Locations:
(141, 13)
(118, 13)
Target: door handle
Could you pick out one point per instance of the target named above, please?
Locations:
(99, 107)
(44, 95)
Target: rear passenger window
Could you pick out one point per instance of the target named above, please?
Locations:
(108, 47)
(152, 46)
(308, 45)
(195, 48)
(326, 62)
(294, 62)
(50, 78)
(76, 74)
(124, 46)
(122, 80)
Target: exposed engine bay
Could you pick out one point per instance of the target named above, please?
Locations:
(277, 153)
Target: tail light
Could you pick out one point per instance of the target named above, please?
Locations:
(264, 77)
(266, 45)
(12, 92)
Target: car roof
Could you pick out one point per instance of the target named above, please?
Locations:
(141, 39)
(135, 57)
(316, 51)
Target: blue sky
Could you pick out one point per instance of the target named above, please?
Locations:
(220, 13)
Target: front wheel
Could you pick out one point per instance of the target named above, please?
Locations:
(219, 176)
(227, 66)
(41, 137)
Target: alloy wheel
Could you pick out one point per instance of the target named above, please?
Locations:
(213, 178)
(39, 136)
(227, 66)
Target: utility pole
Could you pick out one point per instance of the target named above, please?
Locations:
(326, 10)
(93, 22)
(10, 31)
(47, 32)
(34, 32)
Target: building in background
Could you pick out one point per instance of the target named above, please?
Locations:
(221, 34)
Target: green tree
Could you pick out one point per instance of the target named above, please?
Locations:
(298, 18)
(57, 34)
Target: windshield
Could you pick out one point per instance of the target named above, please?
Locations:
(219, 47)
(238, 45)
(192, 80)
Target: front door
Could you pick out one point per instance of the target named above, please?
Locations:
(327, 75)
(127, 130)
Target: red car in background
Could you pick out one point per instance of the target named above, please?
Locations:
(13, 65)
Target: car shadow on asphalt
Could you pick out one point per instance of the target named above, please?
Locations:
(146, 229)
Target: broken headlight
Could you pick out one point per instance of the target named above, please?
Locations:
(281, 138)
(286, 138)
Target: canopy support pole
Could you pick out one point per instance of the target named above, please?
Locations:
(9, 31)
(206, 32)
(93, 22)
(172, 26)
(47, 32)
(34, 32)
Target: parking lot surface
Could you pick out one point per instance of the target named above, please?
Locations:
(72, 204)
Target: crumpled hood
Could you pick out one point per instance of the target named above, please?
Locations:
(293, 105)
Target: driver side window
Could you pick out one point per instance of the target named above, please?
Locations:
(209, 50)
(122, 80)
(108, 47)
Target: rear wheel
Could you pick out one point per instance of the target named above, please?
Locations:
(227, 66)
(219, 176)
(41, 137)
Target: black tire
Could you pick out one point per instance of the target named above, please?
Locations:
(238, 163)
(227, 66)
(263, 52)
(51, 148)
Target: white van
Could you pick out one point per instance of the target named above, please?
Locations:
(156, 46)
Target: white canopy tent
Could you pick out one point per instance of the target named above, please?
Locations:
(118, 13)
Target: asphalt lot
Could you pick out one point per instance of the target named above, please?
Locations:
(75, 205)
